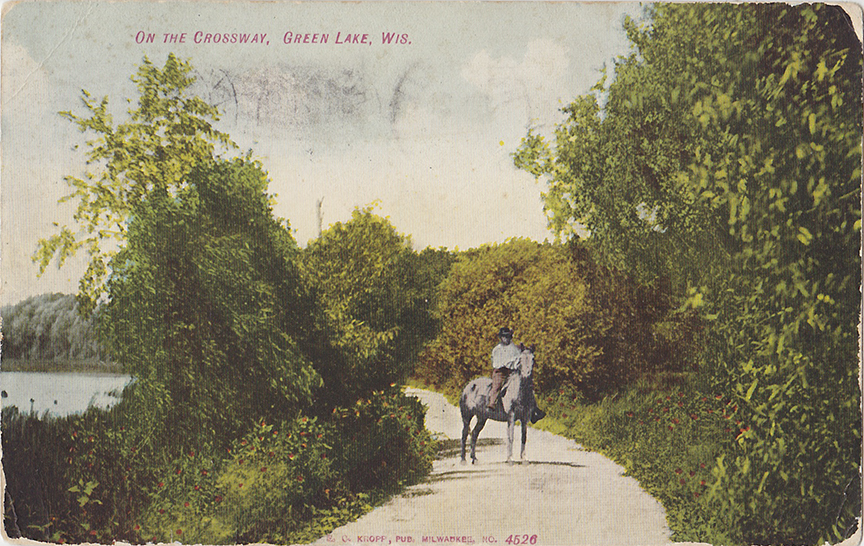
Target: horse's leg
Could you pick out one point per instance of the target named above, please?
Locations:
(466, 428)
(481, 422)
(524, 421)
(511, 424)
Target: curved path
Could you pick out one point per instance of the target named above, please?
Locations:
(562, 495)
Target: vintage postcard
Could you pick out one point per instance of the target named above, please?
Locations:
(499, 273)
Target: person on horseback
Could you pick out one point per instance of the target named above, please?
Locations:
(505, 359)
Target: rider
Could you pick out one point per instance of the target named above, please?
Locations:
(505, 359)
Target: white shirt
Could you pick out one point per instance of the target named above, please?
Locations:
(506, 356)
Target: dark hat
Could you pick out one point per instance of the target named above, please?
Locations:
(505, 332)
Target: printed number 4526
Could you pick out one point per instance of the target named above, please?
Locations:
(516, 540)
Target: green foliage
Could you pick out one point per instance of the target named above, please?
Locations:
(84, 478)
(726, 156)
(72, 479)
(433, 266)
(209, 309)
(382, 442)
(208, 312)
(668, 435)
(166, 136)
(294, 481)
(592, 327)
(48, 327)
(372, 291)
(264, 487)
(30, 503)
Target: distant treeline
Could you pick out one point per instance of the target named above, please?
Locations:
(48, 328)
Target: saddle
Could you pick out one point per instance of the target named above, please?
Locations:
(502, 375)
(536, 412)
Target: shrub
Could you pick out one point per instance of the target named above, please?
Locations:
(208, 311)
(72, 479)
(371, 290)
(293, 481)
(593, 328)
(262, 487)
(382, 442)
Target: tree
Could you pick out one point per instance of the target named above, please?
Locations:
(726, 156)
(48, 327)
(208, 311)
(594, 330)
(206, 306)
(227, 336)
(371, 304)
(166, 136)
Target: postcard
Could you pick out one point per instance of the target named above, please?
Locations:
(498, 273)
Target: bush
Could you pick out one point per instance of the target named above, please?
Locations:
(262, 489)
(371, 290)
(382, 442)
(593, 328)
(208, 311)
(83, 479)
(72, 479)
(294, 481)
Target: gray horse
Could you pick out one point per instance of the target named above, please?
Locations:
(517, 402)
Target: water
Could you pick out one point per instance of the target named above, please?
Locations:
(59, 393)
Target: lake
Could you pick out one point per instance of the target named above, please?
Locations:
(60, 393)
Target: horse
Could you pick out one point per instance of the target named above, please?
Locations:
(517, 401)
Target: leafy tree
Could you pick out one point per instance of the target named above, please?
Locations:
(433, 266)
(48, 327)
(593, 329)
(372, 303)
(206, 307)
(208, 311)
(726, 156)
(165, 137)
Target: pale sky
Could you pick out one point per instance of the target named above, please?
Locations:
(425, 128)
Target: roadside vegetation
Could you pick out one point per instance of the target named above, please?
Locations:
(668, 433)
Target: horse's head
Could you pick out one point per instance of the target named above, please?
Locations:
(526, 361)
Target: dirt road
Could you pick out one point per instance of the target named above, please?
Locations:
(562, 495)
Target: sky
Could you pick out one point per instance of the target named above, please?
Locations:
(423, 129)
